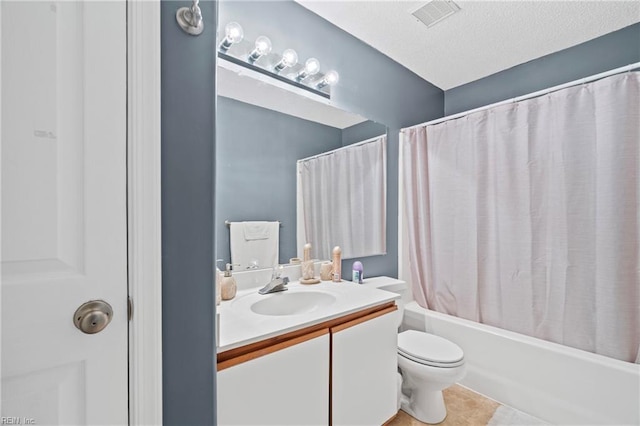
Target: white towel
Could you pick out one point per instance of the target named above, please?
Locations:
(254, 244)
(257, 230)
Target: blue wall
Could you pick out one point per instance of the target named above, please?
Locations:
(188, 305)
(362, 131)
(604, 53)
(256, 151)
(371, 85)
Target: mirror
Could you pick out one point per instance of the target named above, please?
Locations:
(262, 129)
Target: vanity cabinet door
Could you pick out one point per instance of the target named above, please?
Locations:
(364, 370)
(289, 386)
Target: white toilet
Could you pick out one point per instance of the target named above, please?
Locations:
(428, 363)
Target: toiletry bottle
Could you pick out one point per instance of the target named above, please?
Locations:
(337, 264)
(326, 271)
(217, 284)
(218, 281)
(306, 252)
(228, 286)
(307, 268)
(357, 272)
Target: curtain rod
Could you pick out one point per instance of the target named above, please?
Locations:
(589, 79)
(373, 139)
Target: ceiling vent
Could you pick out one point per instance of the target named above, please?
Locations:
(435, 11)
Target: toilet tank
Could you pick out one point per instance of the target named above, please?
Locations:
(393, 285)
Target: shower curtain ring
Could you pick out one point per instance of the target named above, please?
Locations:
(190, 19)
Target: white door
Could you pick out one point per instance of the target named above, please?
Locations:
(63, 127)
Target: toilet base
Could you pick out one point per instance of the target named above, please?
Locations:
(426, 406)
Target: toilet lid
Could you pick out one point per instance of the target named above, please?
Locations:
(429, 349)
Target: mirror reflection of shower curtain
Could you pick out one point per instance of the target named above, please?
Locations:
(342, 196)
(525, 216)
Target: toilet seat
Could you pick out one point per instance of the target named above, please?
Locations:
(429, 349)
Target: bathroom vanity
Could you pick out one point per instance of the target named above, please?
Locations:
(322, 354)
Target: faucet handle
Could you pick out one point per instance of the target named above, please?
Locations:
(277, 271)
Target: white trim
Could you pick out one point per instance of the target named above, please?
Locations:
(301, 238)
(144, 225)
(543, 92)
(0, 185)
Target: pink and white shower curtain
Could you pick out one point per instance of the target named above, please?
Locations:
(525, 216)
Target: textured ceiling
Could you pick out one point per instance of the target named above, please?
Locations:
(483, 38)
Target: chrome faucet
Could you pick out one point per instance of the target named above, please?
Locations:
(276, 284)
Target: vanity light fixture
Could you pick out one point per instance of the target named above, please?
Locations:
(232, 34)
(263, 47)
(329, 79)
(289, 59)
(282, 67)
(311, 67)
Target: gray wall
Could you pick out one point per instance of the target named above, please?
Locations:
(188, 306)
(610, 51)
(256, 151)
(362, 131)
(371, 85)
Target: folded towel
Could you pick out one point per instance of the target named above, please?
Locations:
(250, 249)
(257, 230)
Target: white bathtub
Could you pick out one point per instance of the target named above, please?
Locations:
(555, 383)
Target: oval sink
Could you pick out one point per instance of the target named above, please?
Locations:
(286, 303)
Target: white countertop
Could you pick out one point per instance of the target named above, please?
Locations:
(240, 326)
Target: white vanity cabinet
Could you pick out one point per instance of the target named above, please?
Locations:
(342, 371)
(286, 387)
(364, 370)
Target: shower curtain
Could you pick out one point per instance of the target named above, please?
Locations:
(525, 216)
(344, 199)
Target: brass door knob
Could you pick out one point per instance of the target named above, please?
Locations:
(93, 316)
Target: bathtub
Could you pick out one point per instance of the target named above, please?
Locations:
(555, 383)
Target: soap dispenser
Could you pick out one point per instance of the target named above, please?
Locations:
(228, 285)
(217, 284)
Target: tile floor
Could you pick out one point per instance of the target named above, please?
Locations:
(468, 408)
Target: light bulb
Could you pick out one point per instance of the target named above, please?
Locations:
(263, 47)
(329, 79)
(289, 59)
(311, 67)
(232, 34)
